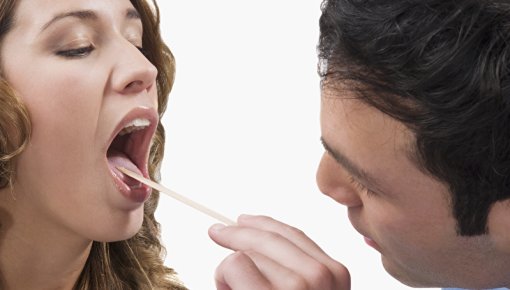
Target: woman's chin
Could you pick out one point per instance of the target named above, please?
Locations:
(121, 231)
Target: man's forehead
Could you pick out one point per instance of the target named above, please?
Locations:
(345, 118)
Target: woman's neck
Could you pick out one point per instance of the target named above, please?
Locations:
(34, 254)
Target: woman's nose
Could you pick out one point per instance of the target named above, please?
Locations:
(334, 182)
(133, 73)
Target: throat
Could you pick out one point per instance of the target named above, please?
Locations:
(38, 260)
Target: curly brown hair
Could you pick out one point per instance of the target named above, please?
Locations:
(136, 263)
(442, 68)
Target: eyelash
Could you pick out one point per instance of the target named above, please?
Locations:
(86, 50)
(361, 187)
(76, 52)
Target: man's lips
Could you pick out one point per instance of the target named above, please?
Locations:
(354, 218)
(372, 243)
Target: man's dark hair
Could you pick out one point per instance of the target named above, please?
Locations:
(442, 68)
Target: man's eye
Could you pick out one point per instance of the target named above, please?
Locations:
(76, 52)
(361, 187)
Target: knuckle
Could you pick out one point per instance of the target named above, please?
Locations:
(320, 275)
(270, 236)
(251, 254)
(233, 260)
(295, 231)
(341, 275)
(340, 270)
(295, 283)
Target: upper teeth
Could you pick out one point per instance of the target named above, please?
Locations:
(135, 125)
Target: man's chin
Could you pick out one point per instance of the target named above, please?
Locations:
(405, 277)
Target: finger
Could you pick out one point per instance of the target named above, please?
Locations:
(298, 237)
(238, 271)
(284, 278)
(293, 246)
(275, 246)
(293, 234)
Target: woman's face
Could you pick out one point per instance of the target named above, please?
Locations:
(77, 66)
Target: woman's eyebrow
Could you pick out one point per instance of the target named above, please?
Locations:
(86, 15)
(81, 14)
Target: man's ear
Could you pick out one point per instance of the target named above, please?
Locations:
(498, 225)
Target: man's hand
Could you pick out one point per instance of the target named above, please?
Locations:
(270, 255)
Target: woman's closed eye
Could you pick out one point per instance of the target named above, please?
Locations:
(78, 52)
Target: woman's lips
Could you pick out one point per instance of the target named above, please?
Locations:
(128, 147)
(130, 188)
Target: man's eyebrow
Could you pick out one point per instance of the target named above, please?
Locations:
(87, 15)
(355, 170)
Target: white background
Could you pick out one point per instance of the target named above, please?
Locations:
(243, 132)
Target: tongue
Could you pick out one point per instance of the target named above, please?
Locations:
(119, 159)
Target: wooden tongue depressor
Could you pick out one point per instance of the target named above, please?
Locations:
(177, 196)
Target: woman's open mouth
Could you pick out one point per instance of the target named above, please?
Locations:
(129, 148)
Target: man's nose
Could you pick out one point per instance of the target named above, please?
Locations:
(334, 182)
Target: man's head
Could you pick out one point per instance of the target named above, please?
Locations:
(417, 94)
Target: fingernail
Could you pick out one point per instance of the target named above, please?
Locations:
(217, 227)
(245, 216)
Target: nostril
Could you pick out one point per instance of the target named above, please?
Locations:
(135, 80)
(133, 84)
(138, 86)
(148, 88)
